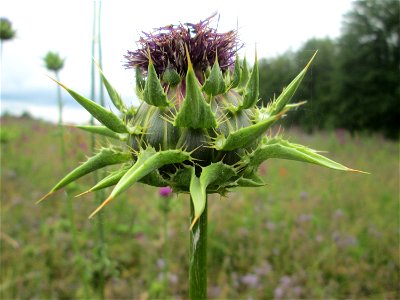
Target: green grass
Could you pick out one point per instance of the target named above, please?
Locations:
(310, 233)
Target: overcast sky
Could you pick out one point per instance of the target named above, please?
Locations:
(66, 27)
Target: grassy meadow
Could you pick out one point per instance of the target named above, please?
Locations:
(311, 233)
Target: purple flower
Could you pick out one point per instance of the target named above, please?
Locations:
(166, 46)
(250, 280)
(165, 191)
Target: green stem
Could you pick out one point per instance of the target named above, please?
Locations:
(60, 125)
(198, 256)
(100, 58)
(99, 197)
(165, 253)
(70, 209)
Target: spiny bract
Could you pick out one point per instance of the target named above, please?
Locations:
(198, 129)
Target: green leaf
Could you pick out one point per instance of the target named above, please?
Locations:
(215, 83)
(102, 130)
(114, 96)
(154, 179)
(244, 75)
(252, 180)
(251, 92)
(102, 159)
(278, 148)
(195, 112)
(153, 91)
(148, 160)
(284, 98)
(104, 116)
(214, 174)
(171, 76)
(180, 180)
(236, 73)
(245, 136)
(140, 83)
(109, 180)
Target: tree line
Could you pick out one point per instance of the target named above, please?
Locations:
(354, 82)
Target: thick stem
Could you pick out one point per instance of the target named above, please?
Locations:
(198, 256)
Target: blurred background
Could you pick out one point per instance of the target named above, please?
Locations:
(310, 233)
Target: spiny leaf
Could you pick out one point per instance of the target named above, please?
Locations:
(171, 76)
(251, 92)
(236, 73)
(244, 75)
(180, 180)
(215, 83)
(252, 180)
(154, 179)
(109, 180)
(102, 130)
(195, 112)
(104, 116)
(148, 160)
(278, 148)
(284, 98)
(214, 174)
(140, 83)
(104, 158)
(153, 92)
(244, 136)
(114, 96)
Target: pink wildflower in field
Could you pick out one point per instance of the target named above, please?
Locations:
(165, 191)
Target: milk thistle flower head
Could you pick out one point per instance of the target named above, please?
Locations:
(6, 30)
(198, 128)
(53, 61)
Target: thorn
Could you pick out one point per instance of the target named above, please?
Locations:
(81, 194)
(59, 83)
(188, 58)
(101, 206)
(358, 171)
(312, 58)
(193, 222)
(44, 197)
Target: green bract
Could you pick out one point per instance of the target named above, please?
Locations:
(198, 129)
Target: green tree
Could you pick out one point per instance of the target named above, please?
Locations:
(369, 67)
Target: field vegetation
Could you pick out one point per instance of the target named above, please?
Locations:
(310, 233)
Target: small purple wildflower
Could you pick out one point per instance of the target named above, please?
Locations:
(165, 192)
(251, 280)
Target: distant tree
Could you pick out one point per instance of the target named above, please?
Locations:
(369, 67)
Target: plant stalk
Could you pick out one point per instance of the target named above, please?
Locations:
(198, 256)
(99, 197)
(60, 125)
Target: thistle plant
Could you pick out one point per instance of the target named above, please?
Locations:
(55, 63)
(6, 30)
(198, 128)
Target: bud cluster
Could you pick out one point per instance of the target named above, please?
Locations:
(198, 128)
